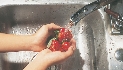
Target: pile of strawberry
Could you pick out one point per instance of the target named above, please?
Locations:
(61, 41)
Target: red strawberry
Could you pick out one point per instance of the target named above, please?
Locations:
(55, 45)
(65, 46)
(61, 40)
(64, 35)
(62, 29)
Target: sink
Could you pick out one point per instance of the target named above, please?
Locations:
(114, 42)
(94, 41)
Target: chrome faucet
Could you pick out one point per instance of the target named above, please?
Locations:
(87, 9)
(116, 22)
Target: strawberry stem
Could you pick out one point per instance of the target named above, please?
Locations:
(50, 41)
(56, 33)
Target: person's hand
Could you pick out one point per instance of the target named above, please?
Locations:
(56, 56)
(41, 36)
(46, 58)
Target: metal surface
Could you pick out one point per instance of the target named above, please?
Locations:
(87, 9)
(119, 55)
(84, 11)
(95, 45)
(115, 41)
(27, 19)
(116, 22)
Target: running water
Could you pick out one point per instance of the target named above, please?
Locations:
(69, 25)
(76, 29)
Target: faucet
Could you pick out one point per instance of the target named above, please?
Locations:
(87, 9)
(116, 22)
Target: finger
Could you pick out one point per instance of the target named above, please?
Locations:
(52, 26)
(73, 43)
(43, 52)
(69, 52)
(48, 29)
(46, 51)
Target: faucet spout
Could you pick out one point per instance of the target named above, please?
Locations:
(87, 9)
(81, 13)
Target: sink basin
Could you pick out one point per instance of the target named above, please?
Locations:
(91, 33)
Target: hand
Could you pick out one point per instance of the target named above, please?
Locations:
(56, 56)
(46, 58)
(41, 36)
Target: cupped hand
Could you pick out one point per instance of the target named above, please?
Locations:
(57, 56)
(41, 36)
(46, 57)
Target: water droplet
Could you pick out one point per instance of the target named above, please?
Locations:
(111, 48)
(85, 10)
(13, 32)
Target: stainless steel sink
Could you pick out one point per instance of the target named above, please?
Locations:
(94, 40)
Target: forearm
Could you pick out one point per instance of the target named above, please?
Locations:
(10, 42)
(37, 64)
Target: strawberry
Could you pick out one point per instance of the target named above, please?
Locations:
(61, 41)
(65, 46)
(64, 35)
(55, 45)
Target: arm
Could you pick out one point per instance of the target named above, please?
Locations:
(35, 42)
(46, 58)
(10, 42)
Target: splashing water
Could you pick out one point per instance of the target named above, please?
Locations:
(75, 30)
(70, 27)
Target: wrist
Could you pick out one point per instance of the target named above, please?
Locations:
(29, 42)
(37, 64)
(32, 43)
